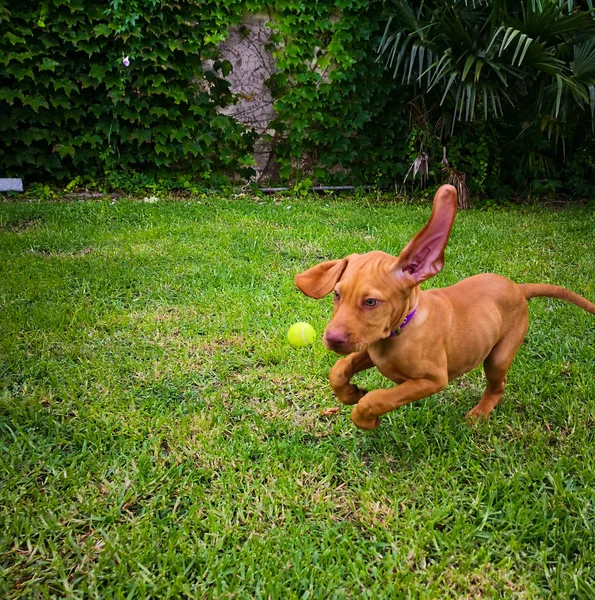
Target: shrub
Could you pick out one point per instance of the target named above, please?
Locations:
(526, 69)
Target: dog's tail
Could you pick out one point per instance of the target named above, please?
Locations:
(555, 291)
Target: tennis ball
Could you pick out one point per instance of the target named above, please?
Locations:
(301, 335)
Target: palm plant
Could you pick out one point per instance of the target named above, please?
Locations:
(531, 60)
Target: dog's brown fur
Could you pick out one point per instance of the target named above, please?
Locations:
(480, 319)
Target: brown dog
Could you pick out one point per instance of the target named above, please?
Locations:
(420, 339)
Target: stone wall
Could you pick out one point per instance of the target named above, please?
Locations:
(253, 65)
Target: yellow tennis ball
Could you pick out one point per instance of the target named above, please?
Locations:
(301, 335)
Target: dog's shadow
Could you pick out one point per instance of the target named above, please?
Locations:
(435, 430)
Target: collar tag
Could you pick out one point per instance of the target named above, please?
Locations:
(405, 321)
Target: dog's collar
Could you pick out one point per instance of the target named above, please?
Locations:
(407, 320)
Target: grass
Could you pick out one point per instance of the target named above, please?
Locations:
(159, 437)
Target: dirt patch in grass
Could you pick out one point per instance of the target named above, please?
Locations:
(21, 225)
(485, 582)
(49, 253)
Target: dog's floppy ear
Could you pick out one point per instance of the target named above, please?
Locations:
(423, 257)
(318, 281)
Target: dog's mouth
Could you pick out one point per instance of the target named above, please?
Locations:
(342, 350)
(342, 344)
(346, 345)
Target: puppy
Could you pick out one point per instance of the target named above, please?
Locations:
(418, 339)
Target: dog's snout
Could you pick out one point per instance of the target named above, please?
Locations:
(335, 339)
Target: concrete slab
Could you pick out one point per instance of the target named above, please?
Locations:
(11, 185)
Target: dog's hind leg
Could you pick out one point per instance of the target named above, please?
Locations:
(496, 366)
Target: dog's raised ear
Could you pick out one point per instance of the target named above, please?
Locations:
(423, 257)
(320, 280)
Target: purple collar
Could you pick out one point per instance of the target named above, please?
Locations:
(407, 319)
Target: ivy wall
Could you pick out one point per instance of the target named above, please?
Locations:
(97, 89)
(92, 86)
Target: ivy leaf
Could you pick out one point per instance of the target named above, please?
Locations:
(47, 64)
(157, 80)
(19, 71)
(191, 148)
(224, 66)
(141, 135)
(60, 101)
(89, 46)
(34, 134)
(178, 95)
(16, 56)
(97, 72)
(103, 29)
(219, 122)
(92, 139)
(198, 110)
(9, 95)
(64, 150)
(35, 102)
(161, 160)
(66, 84)
(159, 111)
(179, 134)
(12, 39)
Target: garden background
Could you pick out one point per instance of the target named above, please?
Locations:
(361, 91)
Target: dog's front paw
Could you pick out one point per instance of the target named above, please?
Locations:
(353, 395)
(363, 421)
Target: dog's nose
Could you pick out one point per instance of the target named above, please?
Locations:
(335, 338)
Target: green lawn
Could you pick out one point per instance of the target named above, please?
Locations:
(159, 437)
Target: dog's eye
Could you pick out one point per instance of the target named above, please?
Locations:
(370, 302)
(336, 295)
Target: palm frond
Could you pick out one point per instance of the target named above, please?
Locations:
(471, 57)
(549, 20)
(583, 64)
(419, 165)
